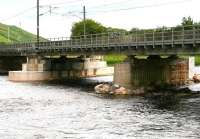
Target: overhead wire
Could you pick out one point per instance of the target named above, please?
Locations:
(18, 14)
(34, 7)
(62, 3)
(89, 9)
(90, 12)
(140, 7)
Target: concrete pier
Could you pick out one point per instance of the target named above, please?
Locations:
(40, 69)
(153, 71)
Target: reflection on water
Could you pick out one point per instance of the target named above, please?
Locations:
(167, 102)
(62, 110)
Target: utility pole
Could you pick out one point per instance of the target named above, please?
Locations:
(38, 23)
(84, 18)
(8, 33)
(50, 9)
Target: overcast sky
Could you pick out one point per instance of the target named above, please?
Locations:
(114, 13)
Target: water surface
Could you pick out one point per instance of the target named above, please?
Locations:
(61, 110)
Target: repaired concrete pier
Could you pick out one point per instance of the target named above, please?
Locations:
(40, 69)
(153, 71)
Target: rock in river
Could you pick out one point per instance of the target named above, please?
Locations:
(111, 89)
(102, 88)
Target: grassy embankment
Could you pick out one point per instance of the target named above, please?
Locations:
(14, 34)
(114, 59)
(197, 60)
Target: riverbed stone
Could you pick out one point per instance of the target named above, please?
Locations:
(103, 88)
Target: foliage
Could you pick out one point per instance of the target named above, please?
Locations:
(197, 60)
(114, 58)
(187, 21)
(110, 29)
(92, 27)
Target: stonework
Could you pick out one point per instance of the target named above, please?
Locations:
(152, 71)
(122, 74)
(37, 69)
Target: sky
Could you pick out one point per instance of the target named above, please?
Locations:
(124, 14)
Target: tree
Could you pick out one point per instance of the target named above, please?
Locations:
(187, 21)
(92, 27)
(110, 29)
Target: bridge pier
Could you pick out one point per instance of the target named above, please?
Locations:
(153, 71)
(44, 69)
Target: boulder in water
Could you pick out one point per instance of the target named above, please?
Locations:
(103, 88)
(121, 91)
(111, 89)
(196, 78)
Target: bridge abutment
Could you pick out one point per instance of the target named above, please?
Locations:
(153, 71)
(44, 69)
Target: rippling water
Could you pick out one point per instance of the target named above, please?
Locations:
(55, 111)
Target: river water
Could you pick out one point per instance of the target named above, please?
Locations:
(61, 110)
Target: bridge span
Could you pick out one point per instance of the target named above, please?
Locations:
(134, 72)
(166, 41)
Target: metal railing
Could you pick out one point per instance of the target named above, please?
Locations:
(152, 37)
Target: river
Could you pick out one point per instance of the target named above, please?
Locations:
(61, 110)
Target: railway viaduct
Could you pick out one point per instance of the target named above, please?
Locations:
(82, 57)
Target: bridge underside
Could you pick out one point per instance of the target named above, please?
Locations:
(8, 63)
(175, 48)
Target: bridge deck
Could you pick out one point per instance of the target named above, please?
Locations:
(181, 41)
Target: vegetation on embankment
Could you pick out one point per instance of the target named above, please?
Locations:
(10, 33)
(114, 58)
(197, 60)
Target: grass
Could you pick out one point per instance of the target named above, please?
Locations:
(114, 58)
(16, 34)
(197, 60)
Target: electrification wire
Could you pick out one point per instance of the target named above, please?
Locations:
(18, 14)
(62, 3)
(31, 8)
(69, 3)
(141, 7)
(72, 12)
(125, 9)
(110, 4)
(49, 11)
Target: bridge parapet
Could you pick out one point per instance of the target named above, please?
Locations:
(177, 40)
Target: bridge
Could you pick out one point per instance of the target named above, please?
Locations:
(134, 72)
(167, 41)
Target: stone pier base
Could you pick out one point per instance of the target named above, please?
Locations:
(152, 71)
(24, 76)
(37, 69)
